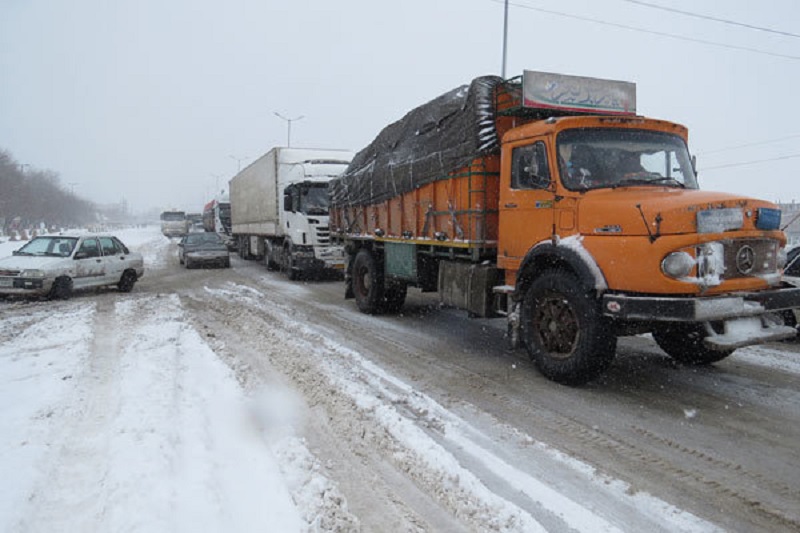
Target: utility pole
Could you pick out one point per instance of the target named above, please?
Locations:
(289, 127)
(505, 38)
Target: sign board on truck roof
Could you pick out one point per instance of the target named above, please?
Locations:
(578, 93)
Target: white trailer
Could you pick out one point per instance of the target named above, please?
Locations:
(279, 210)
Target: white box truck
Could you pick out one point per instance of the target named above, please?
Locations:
(279, 210)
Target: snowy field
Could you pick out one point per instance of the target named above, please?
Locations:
(118, 415)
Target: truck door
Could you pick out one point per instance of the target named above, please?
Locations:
(526, 201)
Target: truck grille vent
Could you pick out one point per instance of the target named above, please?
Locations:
(750, 257)
(323, 235)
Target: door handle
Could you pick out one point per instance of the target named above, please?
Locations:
(511, 206)
(98, 260)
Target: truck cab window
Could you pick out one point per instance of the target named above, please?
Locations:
(529, 168)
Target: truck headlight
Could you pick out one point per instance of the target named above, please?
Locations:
(32, 273)
(678, 264)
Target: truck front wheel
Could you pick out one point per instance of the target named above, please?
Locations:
(684, 343)
(367, 283)
(563, 330)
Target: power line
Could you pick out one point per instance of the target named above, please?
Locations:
(759, 143)
(651, 32)
(715, 19)
(744, 163)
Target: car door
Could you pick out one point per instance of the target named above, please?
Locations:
(114, 259)
(90, 268)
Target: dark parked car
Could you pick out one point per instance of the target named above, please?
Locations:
(203, 249)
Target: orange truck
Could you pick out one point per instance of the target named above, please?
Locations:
(547, 200)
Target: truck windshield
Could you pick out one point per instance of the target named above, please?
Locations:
(314, 200)
(609, 158)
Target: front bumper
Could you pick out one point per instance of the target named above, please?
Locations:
(700, 309)
(747, 318)
(25, 286)
(208, 257)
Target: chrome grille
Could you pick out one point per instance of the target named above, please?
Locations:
(323, 235)
(750, 257)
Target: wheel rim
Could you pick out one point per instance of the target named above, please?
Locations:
(556, 326)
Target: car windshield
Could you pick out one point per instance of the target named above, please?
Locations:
(608, 158)
(199, 239)
(51, 246)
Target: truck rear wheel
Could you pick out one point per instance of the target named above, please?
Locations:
(684, 343)
(563, 330)
(367, 283)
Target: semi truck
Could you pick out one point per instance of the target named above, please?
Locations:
(279, 210)
(217, 218)
(547, 200)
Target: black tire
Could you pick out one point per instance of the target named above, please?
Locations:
(189, 264)
(61, 289)
(368, 280)
(684, 342)
(394, 296)
(127, 281)
(564, 331)
(227, 262)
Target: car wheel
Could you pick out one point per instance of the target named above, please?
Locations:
(61, 289)
(127, 281)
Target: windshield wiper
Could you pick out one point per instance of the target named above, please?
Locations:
(641, 180)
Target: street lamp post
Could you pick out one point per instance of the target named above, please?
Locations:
(289, 127)
(238, 162)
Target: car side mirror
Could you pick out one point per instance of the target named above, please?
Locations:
(81, 255)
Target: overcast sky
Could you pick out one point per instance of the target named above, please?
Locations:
(158, 102)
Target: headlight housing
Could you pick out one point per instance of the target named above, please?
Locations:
(32, 273)
(678, 264)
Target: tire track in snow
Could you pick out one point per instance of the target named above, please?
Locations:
(398, 412)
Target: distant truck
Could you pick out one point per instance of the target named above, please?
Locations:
(217, 218)
(279, 210)
(174, 223)
(547, 200)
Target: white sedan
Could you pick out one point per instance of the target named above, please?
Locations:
(55, 265)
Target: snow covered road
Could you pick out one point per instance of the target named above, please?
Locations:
(234, 400)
